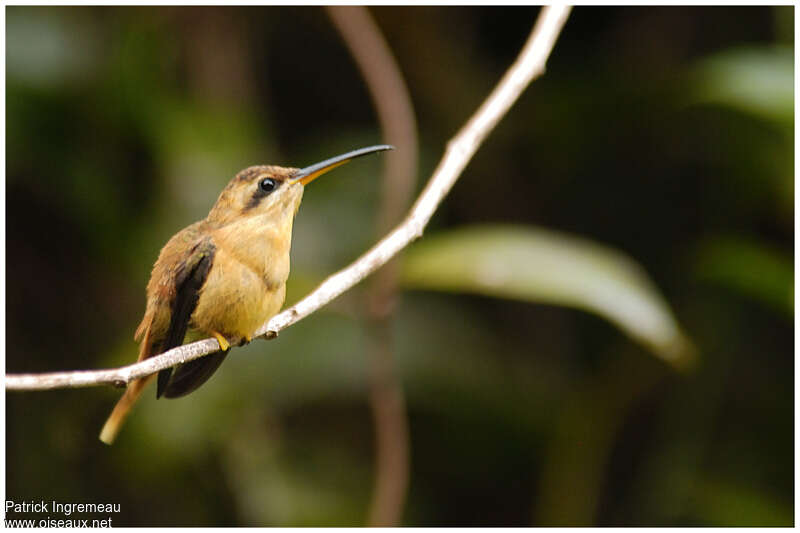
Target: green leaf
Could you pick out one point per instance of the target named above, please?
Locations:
(755, 80)
(749, 268)
(542, 266)
(725, 504)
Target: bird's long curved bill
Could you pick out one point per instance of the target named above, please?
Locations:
(309, 174)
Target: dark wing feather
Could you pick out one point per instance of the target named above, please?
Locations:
(190, 276)
(189, 376)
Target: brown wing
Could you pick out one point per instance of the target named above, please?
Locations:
(172, 293)
(190, 275)
(176, 260)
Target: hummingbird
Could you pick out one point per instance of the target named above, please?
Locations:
(222, 277)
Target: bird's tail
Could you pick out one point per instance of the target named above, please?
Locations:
(121, 410)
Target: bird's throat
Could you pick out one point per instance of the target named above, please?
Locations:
(261, 243)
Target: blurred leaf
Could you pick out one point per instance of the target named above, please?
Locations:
(754, 80)
(589, 420)
(727, 505)
(750, 269)
(543, 266)
(289, 482)
(51, 46)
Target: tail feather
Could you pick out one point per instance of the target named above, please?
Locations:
(121, 410)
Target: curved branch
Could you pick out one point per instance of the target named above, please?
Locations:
(396, 117)
(460, 149)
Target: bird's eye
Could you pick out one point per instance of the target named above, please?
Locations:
(267, 185)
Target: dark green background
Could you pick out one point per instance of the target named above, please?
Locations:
(123, 124)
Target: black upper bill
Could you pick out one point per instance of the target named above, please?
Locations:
(308, 174)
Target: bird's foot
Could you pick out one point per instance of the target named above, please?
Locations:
(245, 340)
(224, 345)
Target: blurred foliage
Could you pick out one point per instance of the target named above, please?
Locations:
(662, 133)
(750, 268)
(538, 265)
(754, 80)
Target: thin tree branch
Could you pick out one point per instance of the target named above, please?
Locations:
(460, 149)
(386, 398)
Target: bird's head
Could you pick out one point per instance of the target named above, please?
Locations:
(272, 191)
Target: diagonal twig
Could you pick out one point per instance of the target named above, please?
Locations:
(528, 65)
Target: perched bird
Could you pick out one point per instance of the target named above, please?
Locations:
(223, 276)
